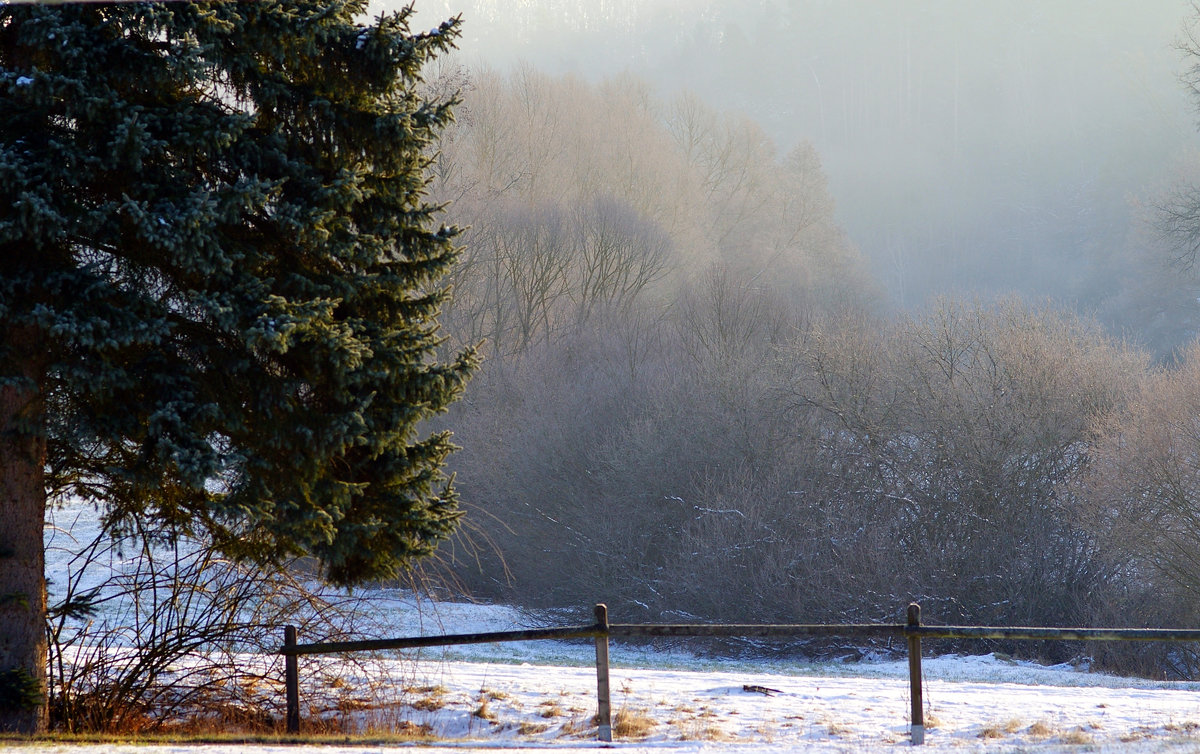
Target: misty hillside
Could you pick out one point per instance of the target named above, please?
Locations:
(992, 148)
(892, 329)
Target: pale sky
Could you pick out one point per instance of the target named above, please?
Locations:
(953, 133)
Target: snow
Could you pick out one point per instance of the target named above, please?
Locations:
(862, 707)
(539, 696)
(542, 694)
(530, 696)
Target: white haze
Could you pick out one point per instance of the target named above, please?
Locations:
(998, 146)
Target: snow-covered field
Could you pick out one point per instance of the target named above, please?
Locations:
(541, 696)
(674, 702)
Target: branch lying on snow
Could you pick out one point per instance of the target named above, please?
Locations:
(760, 690)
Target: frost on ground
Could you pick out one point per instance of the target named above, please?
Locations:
(1011, 706)
(972, 704)
(544, 693)
(542, 696)
(511, 696)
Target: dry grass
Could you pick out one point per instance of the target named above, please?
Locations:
(484, 710)
(406, 730)
(550, 709)
(311, 735)
(577, 727)
(439, 690)
(532, 729)
(429, 703)
(1041, 729)
(433, 699)
(1077, 737)
(766, 731)
(1000, 730)
(1137, 734)
(699, 730)
(632, 723)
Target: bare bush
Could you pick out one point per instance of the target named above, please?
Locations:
(1141, 495)
(151, 631)
(965, 426)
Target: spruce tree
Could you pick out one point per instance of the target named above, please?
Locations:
(219, 283)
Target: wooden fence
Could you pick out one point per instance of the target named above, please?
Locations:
(601, 631)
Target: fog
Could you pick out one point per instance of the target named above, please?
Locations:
(800, 312)
(989, 147)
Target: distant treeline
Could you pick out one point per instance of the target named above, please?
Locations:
(695, 405)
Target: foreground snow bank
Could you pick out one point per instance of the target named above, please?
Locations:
(541, 696)
(518, 705)
(670, 703)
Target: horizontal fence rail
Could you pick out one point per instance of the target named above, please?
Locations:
(776, 631)
(1032, 633)
(601, 631)
(446, 640)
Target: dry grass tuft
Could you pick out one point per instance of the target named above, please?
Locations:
(992, 730)
(1078, 737)
(550, 709)
(404, 729)
(437, 690)
(632, 723)
(433, 699)
(578, 727)
(698, 730)
(484, 711)
(1137, 734)
(1040, 729)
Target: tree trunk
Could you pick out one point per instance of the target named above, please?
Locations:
(22, 518)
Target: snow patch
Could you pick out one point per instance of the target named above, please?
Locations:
(543, 694)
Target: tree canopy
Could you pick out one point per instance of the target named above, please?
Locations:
(220, 279)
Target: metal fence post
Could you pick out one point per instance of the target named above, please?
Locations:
(291, 681)
(603, 699)
(914, 676)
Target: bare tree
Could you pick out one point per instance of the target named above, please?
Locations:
(618, 255)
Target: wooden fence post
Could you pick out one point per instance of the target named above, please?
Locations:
(291, 681)
(603, 699)
(914, 676)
